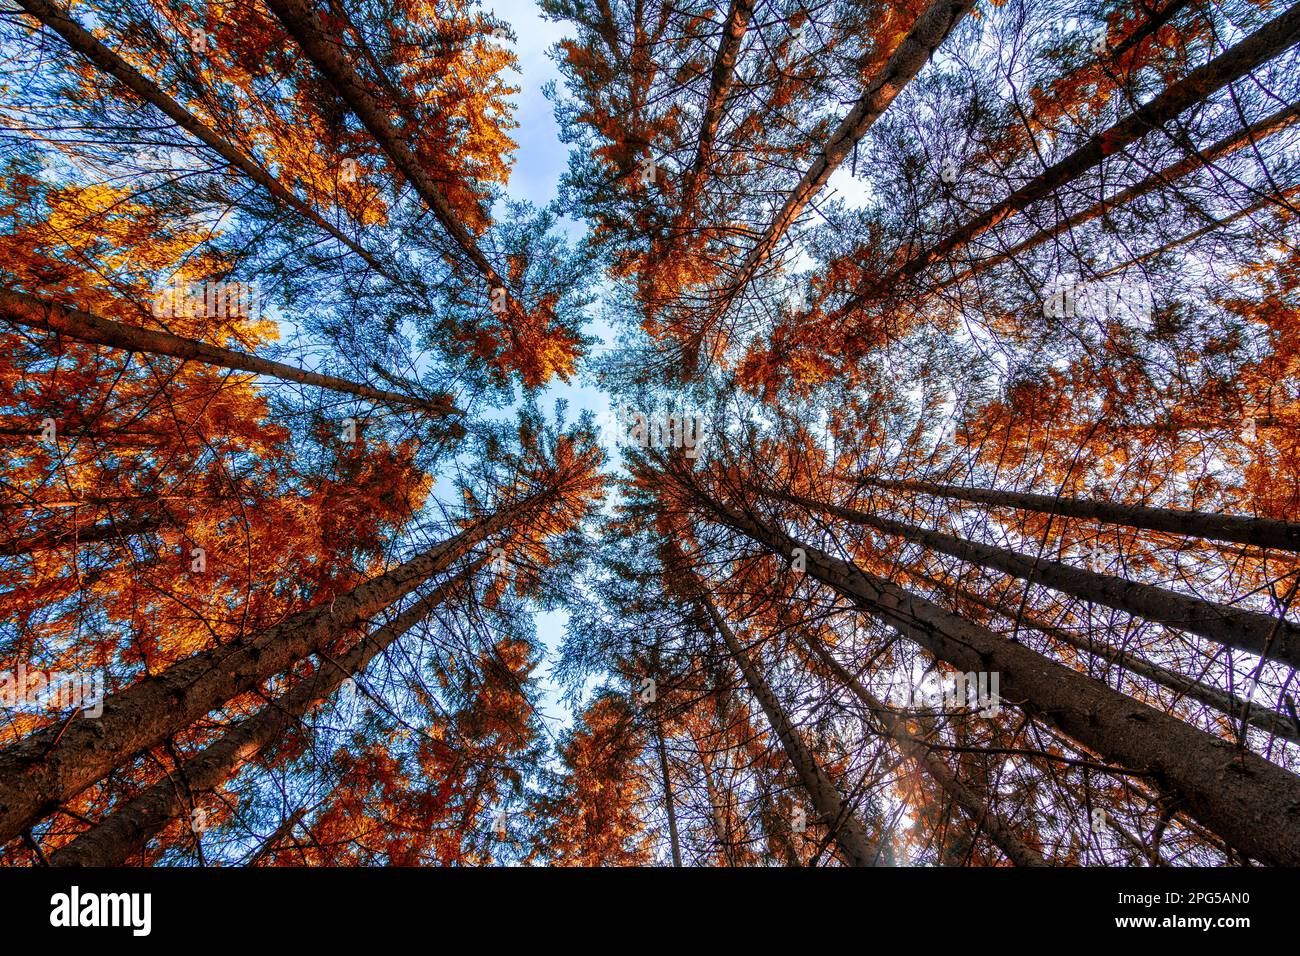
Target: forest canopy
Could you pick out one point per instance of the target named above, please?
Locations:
(942, 507)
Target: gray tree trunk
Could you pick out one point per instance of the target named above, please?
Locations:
(127, 829)
(1243, 529)
(1262, 634)
(847, 831)
(1253, 804)
(49, 316)
(56, 763)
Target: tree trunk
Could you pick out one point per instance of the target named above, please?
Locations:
(1281, 199)
(56, 763)
(1271, 40)
(107, 532)
(931, 28)
(1016, 849)
(126, 829)
(1252, 631)
(104, 59)
(847, 831)
(721, 79)
(282, 831)
(1197, 159)
(668, 794)
(49, 316)
(1256, 715)
(1156, 21)
(1251, 803)
(302, 23)
(1261, 532)
(721, 832)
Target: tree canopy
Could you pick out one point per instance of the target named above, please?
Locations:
(942, 506)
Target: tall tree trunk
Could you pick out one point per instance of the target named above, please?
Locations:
(721, 79)
(669, 808)
(931, 28)
(1256, 715)
(126, 829)
(274, 840)
(110, 532)
(302, 23)
(38, 313)
(847, 831)
(1271, 40)
(1262, 634)
(1196, 159)
(55, 764)
(104, 59)
(981, 815)
(1253, 804)
(1261, 532)
(1281, 198)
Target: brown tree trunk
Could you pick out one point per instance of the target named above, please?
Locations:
(52, 765)
(1252, 631)
(721, 79)
(1253, 804)
(1261, 532)
(1271, 40)
(302, 23)
(49, 316)
(107, 532)
(669, 807)
(847, 831)
(127, 829)
(104, 59)
(1256, 715)
(1006, 839)
(274, 840)
(931, 28)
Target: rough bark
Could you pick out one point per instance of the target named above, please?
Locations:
(1255, 714)
(1251, 631)
(128, 828)
(38, 313)
(52, 765)
(1243, 529)
(721, 79)
(1252, 804)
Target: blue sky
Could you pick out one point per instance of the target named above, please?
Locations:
(540, 161)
